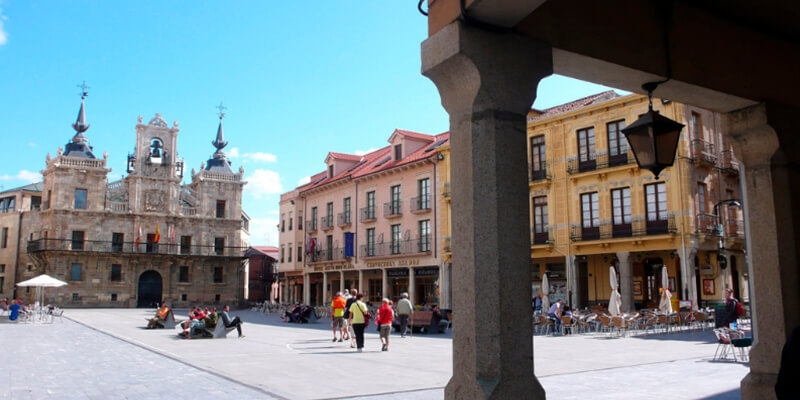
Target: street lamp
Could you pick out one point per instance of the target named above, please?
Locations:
(653, 137)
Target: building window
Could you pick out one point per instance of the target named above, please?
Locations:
(329, 247)
(36, 202)
(395, 203)
(425, 235)
(117, 241)
(702, 198)
(289, 253)
(396, 239)
(329, 216)
(75, 296)
(2, 268)
(300, 221)
(216, 298)
(283, 223)
(4, 239)
(370, 242)
(75, 272)
(151, 244)
(656, 201)
(80, 199)
(246, 224)
(621, 211)
(283, 250)
(697, 126)
(220, 208)
(586, 150)
(299, 253)
(590, 216)
(330, 171)
(77, 240)
(538, 158)
(116, 273)
(540, 233)
(7, 204)
(183, 274)
(184, 297)
(313, 218)
(186, 244)
(2, 282)
(218, 275)
(346, 208)
(290, 221)
(113, 297)
(617, 143)
(219, 246)
(370, 214)
(424, 190)
(398, 152)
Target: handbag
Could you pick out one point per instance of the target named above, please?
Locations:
(366, 315)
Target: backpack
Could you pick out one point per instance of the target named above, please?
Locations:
(739, 309)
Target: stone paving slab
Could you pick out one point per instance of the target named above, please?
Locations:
(278, 360)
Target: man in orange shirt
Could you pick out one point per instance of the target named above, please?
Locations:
(337, 315)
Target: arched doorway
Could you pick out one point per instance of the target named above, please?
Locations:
(149, 289)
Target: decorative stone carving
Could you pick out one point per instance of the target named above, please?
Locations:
(241, 170)
(175, 124)
(59, 151)
(155, 200)
(48, 158)
(158, 121)
(140, 119)
(105, 155)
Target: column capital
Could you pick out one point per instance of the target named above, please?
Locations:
(754, 140)
(477, 71)
(624, 256)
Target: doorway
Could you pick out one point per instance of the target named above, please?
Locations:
(149, 289)
(653, 286)
(583, 284)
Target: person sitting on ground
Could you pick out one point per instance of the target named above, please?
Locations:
(438, 320)
(229, 323)
(4, 304)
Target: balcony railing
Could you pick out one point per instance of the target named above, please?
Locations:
(734, 227)
(101, 246)
(118, 206)
(343, 219)
(311, 225)
(542, 172)
(326, 222)
(188, 211)
(600, 161)
(393, 208)
(546, 237)
(728, 163)
(707, 224)
(703, 151)
(368, 214)
(413, 246)
(421, 204)
(638, 227)
(326, 255)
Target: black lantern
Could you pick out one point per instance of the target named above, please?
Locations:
(653, 137)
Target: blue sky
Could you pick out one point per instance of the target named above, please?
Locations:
(299, 78)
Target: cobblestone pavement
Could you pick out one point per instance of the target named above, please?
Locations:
(106, 354)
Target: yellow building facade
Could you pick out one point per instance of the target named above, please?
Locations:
(592, 207)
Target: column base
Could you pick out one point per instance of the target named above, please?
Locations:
(465, 387)
(759, 386)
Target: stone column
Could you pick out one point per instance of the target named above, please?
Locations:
(687, 263)
(384, 284)
(360, 281)
(306, 288)
(755, 142)
(412, 290)
(324, 298)
(625, 280)
(488, 82)
(341, 281)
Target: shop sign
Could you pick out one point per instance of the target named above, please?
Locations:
(334, 267)
(397, 273)
(427, 271)
(393, 263)
(707, 270)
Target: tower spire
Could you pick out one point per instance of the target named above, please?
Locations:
(79, 146)
(220, 142)
(218, 162)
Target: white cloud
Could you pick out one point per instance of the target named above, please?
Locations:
(233, 152)
(263, 157)
(23, 175)
(263, 182)
(274, 212)
(3, 33)
(31, 144)
(264, 232)
(304, 180)
(363, 152)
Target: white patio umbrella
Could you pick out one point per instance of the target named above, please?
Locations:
(615, 302)
(665, 305)
(545, 294)
(41, 282)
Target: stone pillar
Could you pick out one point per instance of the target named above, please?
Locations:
(487, 82)
(687, 263)
(324, 289)
(360, 281)
(412, 290)
(306, 288)
(341, 281)
(384, 284)
(755, 142)
(625, 280)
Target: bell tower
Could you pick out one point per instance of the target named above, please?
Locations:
(155, 168)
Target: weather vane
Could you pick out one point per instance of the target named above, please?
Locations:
(84, 89)
(221, 109)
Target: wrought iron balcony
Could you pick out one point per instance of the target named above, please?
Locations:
(367, 214)
(421, 204)
(143, 248)
(706, 224)
(703, 152)
(311, 225)
(393, 209)
(326, 255)
(637, 228)
(541, 172)
(600, 161)
(728, 163)
(546, 237)
(400, 247)
(734, 227)
(343, 219)
(326, 222)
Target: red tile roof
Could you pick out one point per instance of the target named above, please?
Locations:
(574, 105)
(415, 135)
(343, 156)
(269, 251)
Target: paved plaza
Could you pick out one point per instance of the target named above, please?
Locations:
(106, 354)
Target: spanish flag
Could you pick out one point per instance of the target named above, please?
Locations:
(158, 234)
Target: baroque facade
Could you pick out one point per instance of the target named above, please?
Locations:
(143, 239)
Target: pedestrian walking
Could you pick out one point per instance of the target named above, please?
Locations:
(404, 311)
(359, 316)
(337, 316)
(384, 321)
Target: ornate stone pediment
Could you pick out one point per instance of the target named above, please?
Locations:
(158, 121)
(155, 200)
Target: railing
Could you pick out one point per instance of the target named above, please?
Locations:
(545, 237)
(703, 151)
(706, 223)
(80, 162)
(118, 206)
(446, 190)
(600, 161)
(413, 246)
(421, 204)
(367, 214)
(638, 227)
(116, 184)
(326, 255)
(213, 176)
(101, 246)
(311, 225)
(326, 222)
(343, 219)
(447, 245)
(188, 195)
(734, 227)
(393, 208)
(728, 163)
(540, 173)
(188, 211)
